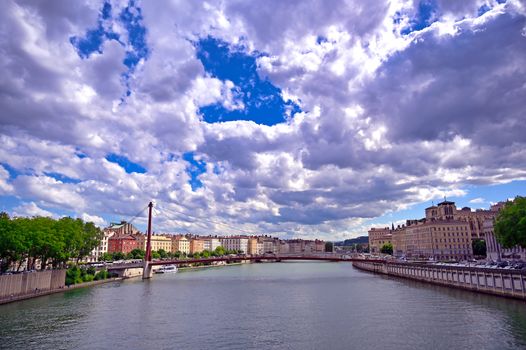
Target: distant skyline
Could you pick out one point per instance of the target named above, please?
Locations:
(305, 119)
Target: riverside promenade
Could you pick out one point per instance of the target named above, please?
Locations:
(39, 283)
(501, 282)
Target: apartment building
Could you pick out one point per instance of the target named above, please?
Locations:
(239, 243)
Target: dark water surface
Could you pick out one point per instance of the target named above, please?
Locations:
(292, 305)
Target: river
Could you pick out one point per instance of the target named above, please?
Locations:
(290, 305)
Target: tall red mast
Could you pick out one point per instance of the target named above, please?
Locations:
(148, 256)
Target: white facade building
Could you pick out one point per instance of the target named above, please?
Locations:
(235, 243)
(211, 244)
(103, 247)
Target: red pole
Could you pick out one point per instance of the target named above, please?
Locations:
(148, 256)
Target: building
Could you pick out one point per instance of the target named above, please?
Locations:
(197, 245)
(283, 247)
(296, 246)
(320, 246)
(270, 245)
(300, 246)
(103, 246)
(210, 243)
(253, 246)
(180, 244)
(238, 243)
(123, 228)
(122, 243)
(378, 237)
(157, 242)
(445, 233)
(438, 240)
(447, 210)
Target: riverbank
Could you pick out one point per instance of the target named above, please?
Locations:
(506, 283)
(189, 268)
(39, 293)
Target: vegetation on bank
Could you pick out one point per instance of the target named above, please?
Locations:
(510, 226)
(53, 242)
(75, 275)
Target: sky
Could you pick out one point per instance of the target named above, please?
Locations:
(314, 118)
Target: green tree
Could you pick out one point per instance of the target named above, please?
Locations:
(118, 256)
(220, 251)
(91, 236)
(479, 247)
(106, 257)
(137, 253)
(387, 248)
(13, 242)
(162, 253)
(329, 246)
(155, 254)
(510, 226)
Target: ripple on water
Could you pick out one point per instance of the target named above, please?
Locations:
(266, 306)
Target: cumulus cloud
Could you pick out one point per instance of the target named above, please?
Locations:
(31, 209)
(97, 220)
(393, 113)
(478, 200)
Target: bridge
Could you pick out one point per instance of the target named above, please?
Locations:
(148, 263)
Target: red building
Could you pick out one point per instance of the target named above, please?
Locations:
(124, 244)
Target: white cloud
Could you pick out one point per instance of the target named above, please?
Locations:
(478, 200)
(389, 120)
(31, 209)
(97, 220)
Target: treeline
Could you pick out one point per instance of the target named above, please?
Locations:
(162, 254)
(53, 242)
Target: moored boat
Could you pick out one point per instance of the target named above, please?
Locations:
(167, 269)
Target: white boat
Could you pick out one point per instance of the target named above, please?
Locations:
(167, 269)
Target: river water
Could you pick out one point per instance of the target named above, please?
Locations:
(290, 305)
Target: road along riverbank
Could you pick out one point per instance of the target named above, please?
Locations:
(507, 283)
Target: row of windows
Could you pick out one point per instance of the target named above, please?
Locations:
(450, 240)
(452, 246)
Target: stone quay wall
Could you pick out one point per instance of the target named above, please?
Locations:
(501, 282)
(30, 283)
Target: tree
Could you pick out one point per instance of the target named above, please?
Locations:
(162, 253)
(137, 253)
(510, 226)
(155, 255)
(479, 247)
(329, 246)
(118, 256)
(106, 257)
(387, 249)
(220, 251)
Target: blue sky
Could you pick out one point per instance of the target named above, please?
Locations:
(232, 113)
(263, 102)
